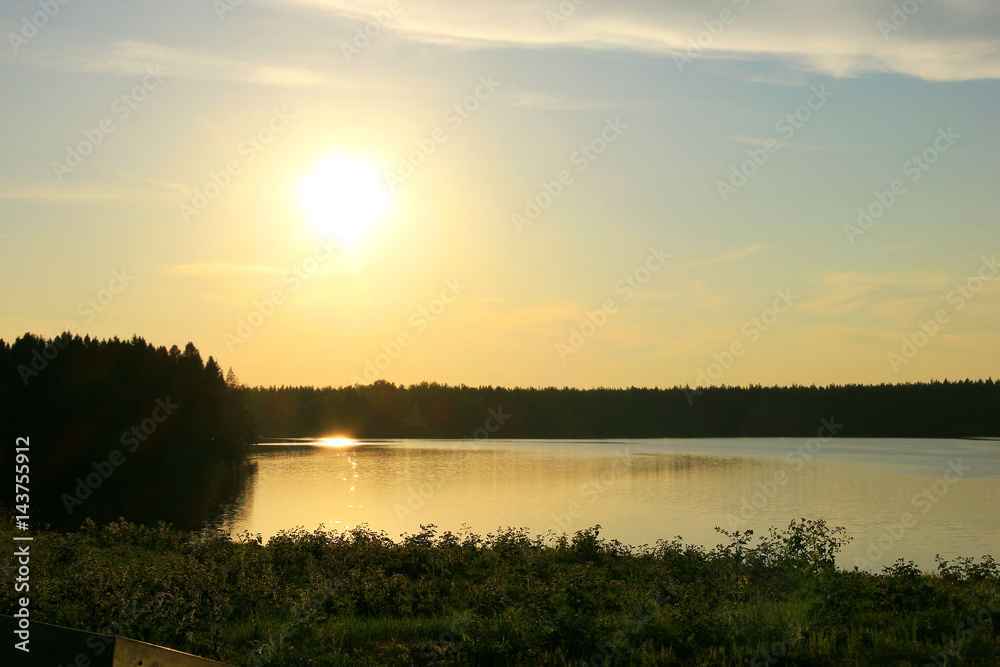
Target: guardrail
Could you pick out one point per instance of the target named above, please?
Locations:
(54, 646)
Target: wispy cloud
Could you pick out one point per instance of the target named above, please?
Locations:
(549, 102)
(798, 146)
(176, 188)
(947, 41)
(128, 57)
(892, 294)
(736, 254)
(132, 58)
(785, 79)
(545, 101)
(222, 269)
(67, 194)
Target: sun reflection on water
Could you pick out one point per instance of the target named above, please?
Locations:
(336, 442)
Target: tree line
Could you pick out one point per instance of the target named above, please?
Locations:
(969, 408)
(120, 427)
(125, 428)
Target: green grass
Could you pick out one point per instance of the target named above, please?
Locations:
(359, 598)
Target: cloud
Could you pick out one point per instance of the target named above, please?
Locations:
(827, 148)
(549, 102)
(70, 194)
(736, 254)
(545, 101)
(133, 58)
(176, 188)
(786, 78)
(66, 193)
(222, 269)
(944, 41)
(500, 316)
(895, 296)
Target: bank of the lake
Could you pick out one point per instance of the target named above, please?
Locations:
(359, 598)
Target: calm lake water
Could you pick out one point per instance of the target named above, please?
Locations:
(907, 499)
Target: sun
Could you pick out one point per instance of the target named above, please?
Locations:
(345, 198)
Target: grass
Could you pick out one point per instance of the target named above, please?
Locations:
(359, 598)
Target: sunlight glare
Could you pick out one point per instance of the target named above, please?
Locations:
(337, 441)
(345, 198)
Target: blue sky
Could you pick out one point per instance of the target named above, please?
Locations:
(685, 117)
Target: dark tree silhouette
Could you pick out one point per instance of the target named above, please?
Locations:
(932, 410)
(126, 428)
(119, 427)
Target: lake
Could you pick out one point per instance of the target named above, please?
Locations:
(907, 499)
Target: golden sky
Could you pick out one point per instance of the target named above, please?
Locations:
(509, 193)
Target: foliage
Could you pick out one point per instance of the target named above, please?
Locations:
(119, 426)
(926, 410)
(360, 598)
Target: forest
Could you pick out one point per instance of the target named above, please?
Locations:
(127, 429)
(120, 428)
(383, 410)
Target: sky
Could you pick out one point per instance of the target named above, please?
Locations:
(576, 193)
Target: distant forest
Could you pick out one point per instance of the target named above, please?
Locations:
(120, 428)
(124, 428)
(384, 410)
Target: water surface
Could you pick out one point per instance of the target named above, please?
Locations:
(907, 499)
